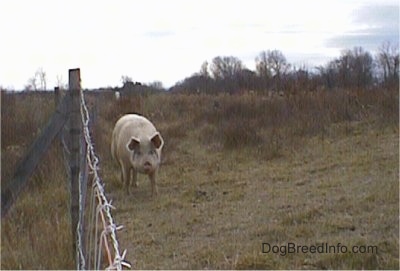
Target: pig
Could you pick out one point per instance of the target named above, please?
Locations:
(136, 146)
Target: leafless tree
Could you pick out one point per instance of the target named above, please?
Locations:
(277, 63)
(226, 67)
(271, 67)
(41, 78)
(126, 79)
(156, 84)
(362, 67)
(204, 69)
(262, 65)
(37, 82)
(355, 68)
(388, 62)
(329, 74)
(31, 85)
(60, 82)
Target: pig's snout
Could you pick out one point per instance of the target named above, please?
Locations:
(147, 166)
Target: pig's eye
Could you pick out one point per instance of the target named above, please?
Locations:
(137, 153)
(152, 152)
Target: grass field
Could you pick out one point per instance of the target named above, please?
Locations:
(237, 172)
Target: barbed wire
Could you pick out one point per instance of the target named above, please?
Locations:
(104, 205)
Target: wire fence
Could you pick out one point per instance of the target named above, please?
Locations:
(93, 227)
(101, 229)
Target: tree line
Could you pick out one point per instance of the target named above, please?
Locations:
(355, 68)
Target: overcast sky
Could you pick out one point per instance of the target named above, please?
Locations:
(169, 40)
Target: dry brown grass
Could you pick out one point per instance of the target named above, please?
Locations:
(237, 171)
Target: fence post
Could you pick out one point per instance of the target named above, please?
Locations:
(57, 96)
(75, 131)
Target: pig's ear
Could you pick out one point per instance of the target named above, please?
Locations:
(133, 144)
(157, 140)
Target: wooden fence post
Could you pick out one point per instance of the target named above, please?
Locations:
(57, 96)
(75, 131)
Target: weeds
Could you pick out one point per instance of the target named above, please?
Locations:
(236, 171)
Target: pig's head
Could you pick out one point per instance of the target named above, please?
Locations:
(146, 153)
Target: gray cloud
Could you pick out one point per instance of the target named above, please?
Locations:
(374, 25)
(377, 15)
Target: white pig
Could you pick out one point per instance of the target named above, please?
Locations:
(136, 145)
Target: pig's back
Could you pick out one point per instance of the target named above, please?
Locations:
(134, 125)
(128, 126)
